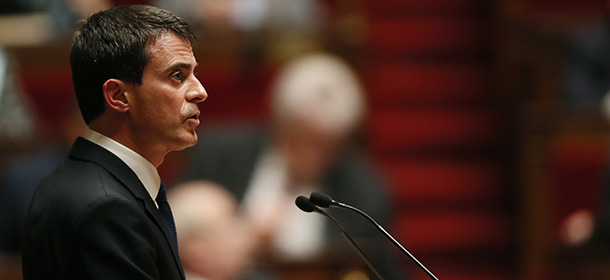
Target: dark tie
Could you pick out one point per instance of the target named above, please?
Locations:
(166, 212)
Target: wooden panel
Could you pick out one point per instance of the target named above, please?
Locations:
(428, 34)
(578, 170)
(435, 182)
(453, 230)
(433, 129)
(428, 83)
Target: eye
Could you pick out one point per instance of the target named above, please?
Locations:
(178, 76)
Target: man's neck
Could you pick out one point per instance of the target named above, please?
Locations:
(122, 136)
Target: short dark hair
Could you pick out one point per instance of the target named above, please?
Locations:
(114, 44)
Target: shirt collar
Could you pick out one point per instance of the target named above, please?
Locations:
(144, 169)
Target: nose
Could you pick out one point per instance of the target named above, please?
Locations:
(197, 92)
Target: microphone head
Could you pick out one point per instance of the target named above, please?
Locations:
(304, 204)
(321, 200)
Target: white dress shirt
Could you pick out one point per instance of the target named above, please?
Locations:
(269, 202)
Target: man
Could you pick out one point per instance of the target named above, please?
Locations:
(102, 213)
(216, 242)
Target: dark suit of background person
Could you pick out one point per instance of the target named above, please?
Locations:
(18, 181)
(95, 216)
(232, 155)
(17, 127)
(19, 178)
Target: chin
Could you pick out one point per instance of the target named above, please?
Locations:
(186, 142)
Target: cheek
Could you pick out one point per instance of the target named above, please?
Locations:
(159, 105)
(150, 111)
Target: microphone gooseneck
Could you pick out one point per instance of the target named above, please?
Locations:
(326, 201)
(306, 205)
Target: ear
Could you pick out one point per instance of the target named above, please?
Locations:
(114, 94)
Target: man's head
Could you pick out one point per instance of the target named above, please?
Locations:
(215, 241)
(134, 75)
(115, 44)
(317, 102)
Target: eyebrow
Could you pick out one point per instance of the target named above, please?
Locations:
(179, 65)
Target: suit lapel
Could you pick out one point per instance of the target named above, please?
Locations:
(86, 150)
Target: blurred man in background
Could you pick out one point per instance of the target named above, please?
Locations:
(17, 127)
(215, 240)
(18, 179)
(317, 105)
(17, 124)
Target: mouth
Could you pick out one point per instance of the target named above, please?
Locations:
(194, 117)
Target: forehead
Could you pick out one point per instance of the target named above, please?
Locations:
(170, 47)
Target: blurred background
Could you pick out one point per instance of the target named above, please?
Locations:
(486, 117)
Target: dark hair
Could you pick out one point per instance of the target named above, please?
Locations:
(114, 44)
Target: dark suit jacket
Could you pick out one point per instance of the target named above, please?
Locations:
(93, 219)
(229, 156)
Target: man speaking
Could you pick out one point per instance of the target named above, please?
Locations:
(103, 213)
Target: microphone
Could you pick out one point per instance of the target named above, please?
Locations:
(326, 201)
(306, 206)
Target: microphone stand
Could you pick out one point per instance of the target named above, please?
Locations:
(305, 205)
(326, 201)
